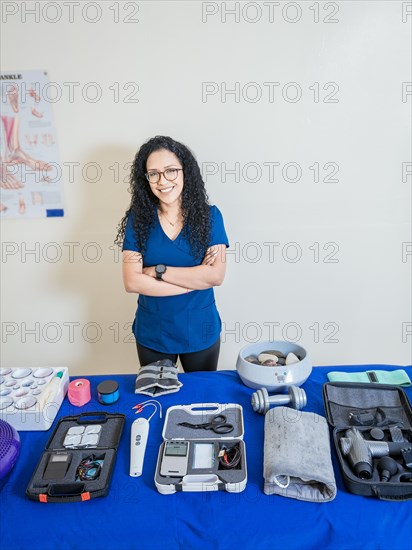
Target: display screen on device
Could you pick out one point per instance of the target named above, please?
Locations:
(59, 458)
(176, 448)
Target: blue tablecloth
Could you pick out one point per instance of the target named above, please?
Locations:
(135, 515)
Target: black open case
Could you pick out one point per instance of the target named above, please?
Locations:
(356, 409)
(75, 439)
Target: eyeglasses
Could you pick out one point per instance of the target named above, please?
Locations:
(170, 174)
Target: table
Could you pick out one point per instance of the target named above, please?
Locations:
(135, 515)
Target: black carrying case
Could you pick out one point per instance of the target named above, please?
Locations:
(43, 488)
(364, 406)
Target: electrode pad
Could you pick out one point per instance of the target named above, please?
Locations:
(203, 455)
(82, 436)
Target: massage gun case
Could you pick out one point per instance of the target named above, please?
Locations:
(203, 479)
(364, 407)
(67, 488)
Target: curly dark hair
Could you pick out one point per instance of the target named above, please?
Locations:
(195, 204)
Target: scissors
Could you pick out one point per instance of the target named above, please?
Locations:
(217, 424)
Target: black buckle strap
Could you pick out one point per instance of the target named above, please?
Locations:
(372, 376)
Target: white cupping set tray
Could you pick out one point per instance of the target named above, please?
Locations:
(30, 398)
(201, 469)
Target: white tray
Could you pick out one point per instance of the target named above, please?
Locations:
(30, 397)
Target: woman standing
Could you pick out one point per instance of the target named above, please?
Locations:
(174, 253)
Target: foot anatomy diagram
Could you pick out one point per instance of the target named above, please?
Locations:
(19, 144)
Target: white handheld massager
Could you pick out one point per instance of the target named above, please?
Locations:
(138, 442)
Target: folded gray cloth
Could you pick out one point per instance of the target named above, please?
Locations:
(297, 459)
(158, 378)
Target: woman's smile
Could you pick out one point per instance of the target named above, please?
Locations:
(166, 189)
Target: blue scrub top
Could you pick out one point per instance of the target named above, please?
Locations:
(176, 324)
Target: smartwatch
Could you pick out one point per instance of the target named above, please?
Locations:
(160, 269)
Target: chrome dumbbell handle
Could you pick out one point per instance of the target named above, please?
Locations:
(261, 400)
(281, 399)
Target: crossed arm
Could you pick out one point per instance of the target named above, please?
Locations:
(176, 280)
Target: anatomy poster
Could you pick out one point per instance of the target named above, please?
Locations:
(30, 174)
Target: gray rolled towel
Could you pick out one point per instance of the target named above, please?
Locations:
(297, 459)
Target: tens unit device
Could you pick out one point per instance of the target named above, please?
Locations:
(175, 459)
(57, 466)
(203, 449)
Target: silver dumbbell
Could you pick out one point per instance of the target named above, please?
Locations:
(261, 400)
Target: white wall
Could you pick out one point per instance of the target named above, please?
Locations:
(355, 310)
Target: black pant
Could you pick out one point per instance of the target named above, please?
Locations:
(205, 359)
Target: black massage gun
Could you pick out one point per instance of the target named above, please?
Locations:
(361, 451)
